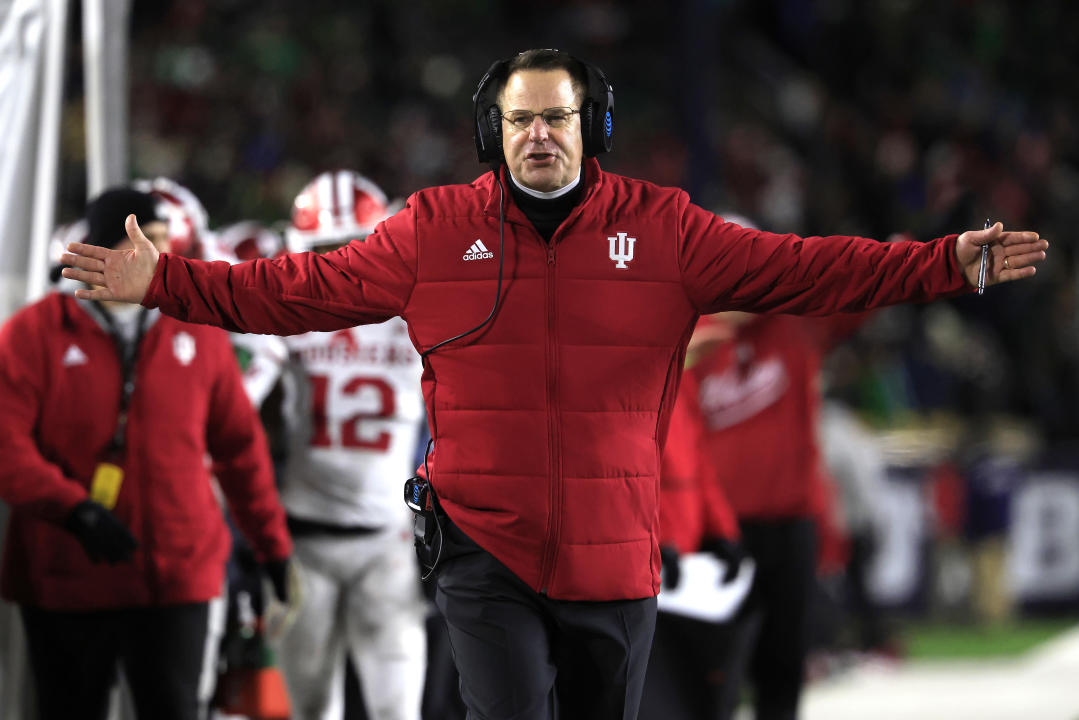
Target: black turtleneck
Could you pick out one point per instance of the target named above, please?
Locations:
(547, 214)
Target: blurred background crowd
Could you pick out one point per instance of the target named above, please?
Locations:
(809, 117)
(887, 119)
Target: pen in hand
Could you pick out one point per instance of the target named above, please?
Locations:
(984, 264)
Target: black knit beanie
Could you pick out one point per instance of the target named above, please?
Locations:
(107, 212)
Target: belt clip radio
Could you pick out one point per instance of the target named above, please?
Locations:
(420, 500)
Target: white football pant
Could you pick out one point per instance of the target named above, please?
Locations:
(360, 594)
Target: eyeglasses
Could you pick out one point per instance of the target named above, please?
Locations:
(555, 117)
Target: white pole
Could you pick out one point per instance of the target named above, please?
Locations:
(45, 179)
(93, 39)
(23, 38)
(105, 42)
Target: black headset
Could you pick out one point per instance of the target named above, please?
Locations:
(597, 112)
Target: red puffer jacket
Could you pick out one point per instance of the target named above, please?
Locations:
(549, 422)
(60, 382)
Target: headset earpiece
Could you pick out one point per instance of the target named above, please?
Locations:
(598, 110)
(494, 117)
(487, 116)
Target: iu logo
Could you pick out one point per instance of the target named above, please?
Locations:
(621, 250)
(183, 347)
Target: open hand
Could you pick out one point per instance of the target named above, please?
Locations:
(122, 274)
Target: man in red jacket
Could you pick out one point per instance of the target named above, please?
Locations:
(125, 478)
(549, 416)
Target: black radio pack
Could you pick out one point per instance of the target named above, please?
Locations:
(426, 530)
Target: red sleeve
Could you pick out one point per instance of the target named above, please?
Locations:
(692, 505)
(728, 267)
(680, 501)
(242, 460)
(676, 505)
(367, 281)
(28, 481)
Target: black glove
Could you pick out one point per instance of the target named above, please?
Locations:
(277, 571)
(672, 567)
(101, 534)
(729, 551)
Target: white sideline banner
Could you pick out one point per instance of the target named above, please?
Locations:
(1045, 537)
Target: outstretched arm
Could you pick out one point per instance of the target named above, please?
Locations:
(365, 281)
(727, 267)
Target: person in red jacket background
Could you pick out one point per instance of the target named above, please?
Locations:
(759, 393)
(117, 541)
(690, 663)
(552, 303)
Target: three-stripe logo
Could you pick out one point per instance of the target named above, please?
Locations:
(478, 251)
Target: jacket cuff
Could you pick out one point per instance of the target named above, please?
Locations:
(156, 290)
(59, 505)
(962, 286)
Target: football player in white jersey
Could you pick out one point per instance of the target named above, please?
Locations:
(354, 411)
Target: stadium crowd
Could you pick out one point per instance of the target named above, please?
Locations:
(896, 117)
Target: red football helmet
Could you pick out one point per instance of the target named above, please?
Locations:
(246, 240)
(186, 217)
(334, 208)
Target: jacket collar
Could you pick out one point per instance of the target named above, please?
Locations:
(592, 177)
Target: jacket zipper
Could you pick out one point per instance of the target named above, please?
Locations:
(554, 519)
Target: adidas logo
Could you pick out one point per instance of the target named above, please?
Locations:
(74, 356)
(478, 251)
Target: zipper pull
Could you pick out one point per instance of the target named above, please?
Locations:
(550, 256)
